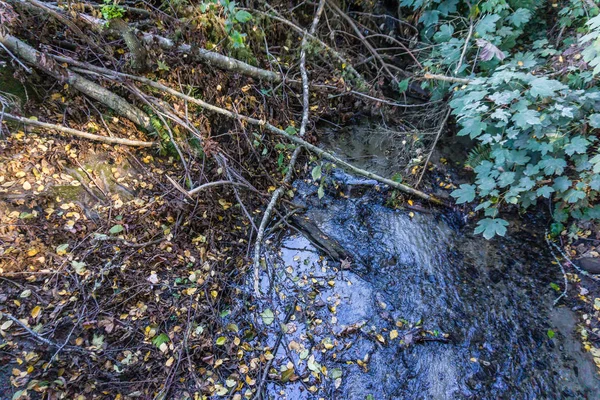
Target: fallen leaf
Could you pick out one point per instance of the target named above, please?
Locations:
(267, 316)
(36, 311)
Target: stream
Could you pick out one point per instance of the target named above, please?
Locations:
(421, 309)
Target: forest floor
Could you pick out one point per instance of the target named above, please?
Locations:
(115, 282)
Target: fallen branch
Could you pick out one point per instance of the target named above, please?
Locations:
(214, 59)
(136, 48)
(210, 57)
(66, 21)
(215, 183)
(234, 115)
(85, 86)
(78, 133)
(40, 339)
(447, 78)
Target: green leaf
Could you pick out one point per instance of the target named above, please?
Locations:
(555, 286)
(160, 339)
(578, 145)
(62, 249)
(316, 173)
(290, 130)
(464, 194)
(526, 118)
(321, 192)
(267, 316)
(78, 266)
(544, 191)
(520, 17)
(444, 34)
(595, 121)
(491, 227)
(403, 85)
(550, 333)
(553, 166)
(221, 341)
(487, 24)
(116, 229)
(243, 16)
(472, 127)
(573, 196)
(544, 87)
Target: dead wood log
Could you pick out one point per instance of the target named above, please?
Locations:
(214, 59)
(85, 86)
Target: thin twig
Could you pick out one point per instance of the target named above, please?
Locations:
(25, 67)
(265, 220)
(437, 137)
(562, 269)
(466, 46)
(38, 338)
(365, 42)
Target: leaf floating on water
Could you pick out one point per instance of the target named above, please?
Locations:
(316, 173)
(313, 365)
(267, 316)
(286, 375)
(550, 333)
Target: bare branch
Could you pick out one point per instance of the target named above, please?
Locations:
(78, 133)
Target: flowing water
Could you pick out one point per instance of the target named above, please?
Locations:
(474, 318)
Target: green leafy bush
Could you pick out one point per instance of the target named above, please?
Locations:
(541, 141)
(233, 18)
(536, 136)
(111, 10)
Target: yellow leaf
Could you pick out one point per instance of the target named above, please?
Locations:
(170, 362)
(410, 202)
(224, 203)
(381, 338)
(393, 334)
(32, 252)
(36, 311)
